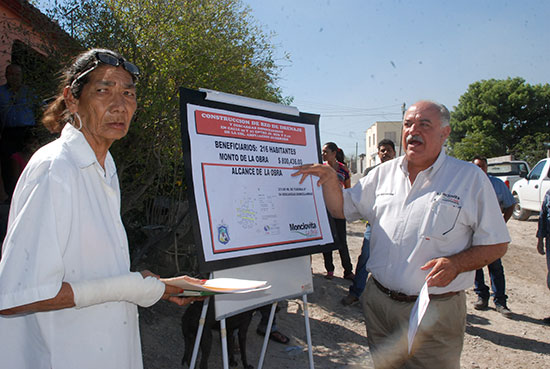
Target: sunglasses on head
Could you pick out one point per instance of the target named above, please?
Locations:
(109, 59)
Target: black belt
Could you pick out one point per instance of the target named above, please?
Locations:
(401, 297)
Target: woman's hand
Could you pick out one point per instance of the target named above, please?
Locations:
(171, 291)
(194, 280)
(147, 273)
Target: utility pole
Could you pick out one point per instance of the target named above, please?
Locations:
(70, 13)
(356, 152)
(403, 110)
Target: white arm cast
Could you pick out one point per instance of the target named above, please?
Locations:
(131, 287)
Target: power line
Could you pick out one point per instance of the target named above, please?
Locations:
(382, 114)
(328, 106)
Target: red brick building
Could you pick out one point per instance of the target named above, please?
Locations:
(30, 38)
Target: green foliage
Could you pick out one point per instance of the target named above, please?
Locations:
(531, 149)
(198, 43)
(504, 111)
(473, 144)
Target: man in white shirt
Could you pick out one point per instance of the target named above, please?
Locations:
(428, 226)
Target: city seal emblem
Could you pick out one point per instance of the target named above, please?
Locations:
(223, 234)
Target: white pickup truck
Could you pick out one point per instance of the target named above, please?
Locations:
(529, 191)
(509, 171)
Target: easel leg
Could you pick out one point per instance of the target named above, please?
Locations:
(267, 334)
(308, 333)
(199, 334)
(223, 335)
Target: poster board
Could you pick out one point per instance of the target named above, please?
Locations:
(239, 158)
(289, 278)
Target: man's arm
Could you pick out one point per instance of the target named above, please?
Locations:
(540, 245)
(508, 213)
(542, 229)
(445, 269)
(332, 190)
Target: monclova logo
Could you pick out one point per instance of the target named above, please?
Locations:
(305, 229)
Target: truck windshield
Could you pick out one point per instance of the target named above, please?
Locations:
(506, 169)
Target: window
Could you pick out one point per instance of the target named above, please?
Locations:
(537, 170)
(390, 136)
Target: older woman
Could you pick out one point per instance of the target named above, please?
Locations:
(67, 297)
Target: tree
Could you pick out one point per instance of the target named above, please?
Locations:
(475, 144)
(531, 148)
(503, 110)
(213, 44)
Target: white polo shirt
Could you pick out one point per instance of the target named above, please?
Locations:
(450, 207)
(65, 226)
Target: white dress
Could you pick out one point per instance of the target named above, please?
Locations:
(65, 226)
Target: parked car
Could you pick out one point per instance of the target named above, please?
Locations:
(509, 171)
(529, 191)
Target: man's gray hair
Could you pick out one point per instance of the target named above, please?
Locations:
(444, 113)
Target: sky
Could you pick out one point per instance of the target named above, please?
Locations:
(356, 62)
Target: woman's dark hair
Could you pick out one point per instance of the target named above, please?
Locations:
(339, 152)
(331, 146)
(340, 156)
(56, 115)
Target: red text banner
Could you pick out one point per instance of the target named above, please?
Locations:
(216, 124)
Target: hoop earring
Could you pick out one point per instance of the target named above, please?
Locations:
(77, 116)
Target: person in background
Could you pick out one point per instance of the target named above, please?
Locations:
(496, 270)
(68, 298)
(386, 152)
(543, 238)
(330, 152)
(428, 228)
(18, 109)
(341, 158)
(275, 334)
(19, 159)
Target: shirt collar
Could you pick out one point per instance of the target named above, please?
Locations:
(83, 153)
(432, 169)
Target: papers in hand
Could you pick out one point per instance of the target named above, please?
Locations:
(197, 287)
(417, 313)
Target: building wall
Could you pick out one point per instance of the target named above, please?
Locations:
(34, 33)
(14, 27)
(376, 133)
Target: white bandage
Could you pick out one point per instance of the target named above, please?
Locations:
(131, 287)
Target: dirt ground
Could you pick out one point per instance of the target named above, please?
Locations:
(339, 335)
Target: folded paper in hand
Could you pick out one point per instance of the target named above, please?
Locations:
(218, 285)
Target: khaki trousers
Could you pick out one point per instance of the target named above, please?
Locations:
(439, 339)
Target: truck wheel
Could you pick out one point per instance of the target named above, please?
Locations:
(520, 213)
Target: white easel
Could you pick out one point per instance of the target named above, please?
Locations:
(289, 278)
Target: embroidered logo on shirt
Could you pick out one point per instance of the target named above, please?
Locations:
(448, 198)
